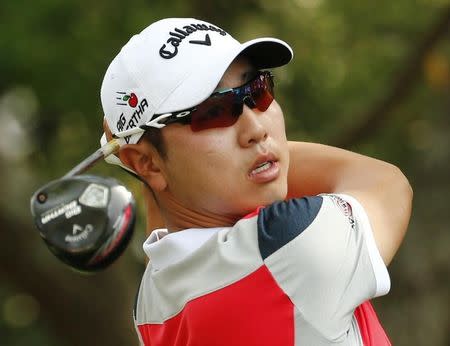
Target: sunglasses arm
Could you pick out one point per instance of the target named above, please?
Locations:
(155, 123)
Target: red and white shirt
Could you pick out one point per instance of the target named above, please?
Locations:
(298, 272)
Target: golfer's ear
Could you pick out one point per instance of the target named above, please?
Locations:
(146, 162)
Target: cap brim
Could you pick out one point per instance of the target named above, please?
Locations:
(267, 52)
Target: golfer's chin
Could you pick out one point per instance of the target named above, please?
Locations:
(266, 196)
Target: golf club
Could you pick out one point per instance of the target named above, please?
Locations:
(85, 220)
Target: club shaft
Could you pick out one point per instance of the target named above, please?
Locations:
(109, 148)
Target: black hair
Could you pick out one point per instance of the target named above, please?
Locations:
(155, 138)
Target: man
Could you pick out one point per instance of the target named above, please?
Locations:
(245, 258)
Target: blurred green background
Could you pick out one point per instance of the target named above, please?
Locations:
(369, 76)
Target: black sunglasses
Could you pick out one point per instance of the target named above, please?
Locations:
(223, 108)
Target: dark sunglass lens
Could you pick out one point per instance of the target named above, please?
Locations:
(217, 111)
(262, 92)
(264, 100)
(223, 110)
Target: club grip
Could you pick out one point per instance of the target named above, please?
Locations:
(109, 148)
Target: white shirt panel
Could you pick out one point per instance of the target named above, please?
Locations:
(327, 270)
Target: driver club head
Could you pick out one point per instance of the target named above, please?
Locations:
(86, 221)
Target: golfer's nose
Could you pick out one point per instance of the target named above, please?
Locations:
(251, 126)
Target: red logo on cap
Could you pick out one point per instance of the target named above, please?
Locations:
(131, 98)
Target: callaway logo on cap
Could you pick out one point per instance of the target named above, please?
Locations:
(179, 34)
(175, 64)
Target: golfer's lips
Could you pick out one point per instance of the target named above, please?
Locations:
(265, 169)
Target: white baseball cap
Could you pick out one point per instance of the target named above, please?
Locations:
(172, 65)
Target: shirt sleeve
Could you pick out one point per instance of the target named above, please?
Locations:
(322, 253)
(380, 271)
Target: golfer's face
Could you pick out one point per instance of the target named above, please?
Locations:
(229, 170)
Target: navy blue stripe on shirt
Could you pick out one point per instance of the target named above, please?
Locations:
(281, 222)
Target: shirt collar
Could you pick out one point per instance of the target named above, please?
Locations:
(164, 248)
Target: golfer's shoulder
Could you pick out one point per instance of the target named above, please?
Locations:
(295, 213)
(283, 221)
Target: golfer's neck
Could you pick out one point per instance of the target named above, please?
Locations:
(178, 217)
